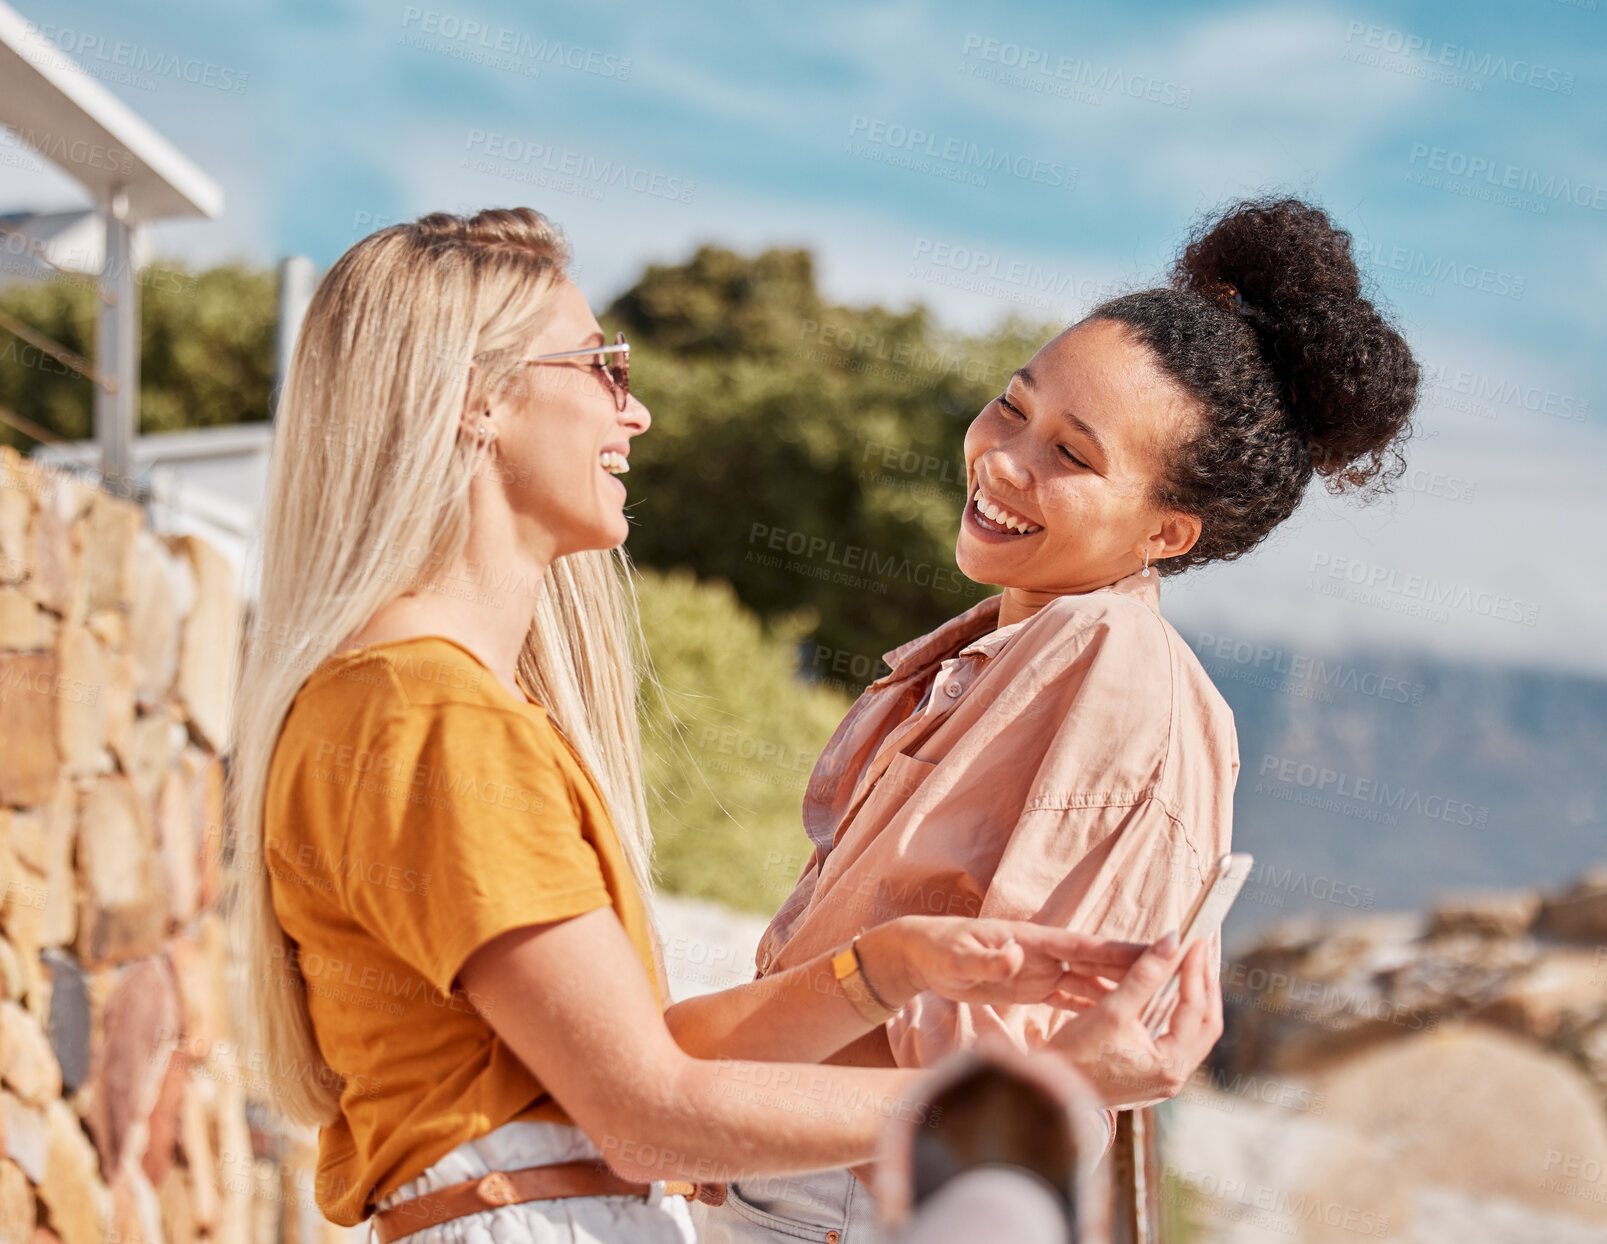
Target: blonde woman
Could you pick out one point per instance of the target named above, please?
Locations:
(1057, 753)
(441, 850)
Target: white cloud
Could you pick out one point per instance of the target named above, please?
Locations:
(1493, 520)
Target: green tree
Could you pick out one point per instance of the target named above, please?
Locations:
(729, 736)
(808, 454)
(206, 351)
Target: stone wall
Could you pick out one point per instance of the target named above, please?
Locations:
(127, 1100)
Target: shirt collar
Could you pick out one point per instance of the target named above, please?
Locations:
(974, 623)
(977, 629)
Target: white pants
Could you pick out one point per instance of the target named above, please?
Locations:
(655, 1219)
(831, 1207)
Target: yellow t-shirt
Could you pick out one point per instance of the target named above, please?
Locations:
(415, 810)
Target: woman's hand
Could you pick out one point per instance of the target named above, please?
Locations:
(1113, 1051)
(991, 961)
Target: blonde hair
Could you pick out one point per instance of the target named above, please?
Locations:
(411, 327)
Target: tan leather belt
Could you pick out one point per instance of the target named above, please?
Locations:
(587, 1177)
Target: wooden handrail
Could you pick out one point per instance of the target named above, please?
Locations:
(57, 351)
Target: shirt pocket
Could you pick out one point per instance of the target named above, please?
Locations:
(903, 776)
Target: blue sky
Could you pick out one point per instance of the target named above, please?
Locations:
(1031, 157)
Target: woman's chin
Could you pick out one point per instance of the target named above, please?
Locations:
(978, 564)
(599, 539)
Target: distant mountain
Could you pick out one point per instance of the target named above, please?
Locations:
(1378, 780)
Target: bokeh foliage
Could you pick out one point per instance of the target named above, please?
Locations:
(729, 735)
(206, 351)
(841, 428)
(773, 412)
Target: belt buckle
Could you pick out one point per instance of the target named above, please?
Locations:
(497, 1189)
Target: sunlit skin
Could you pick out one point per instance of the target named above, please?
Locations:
(551, 432)
(1074, 445)
(542, 495)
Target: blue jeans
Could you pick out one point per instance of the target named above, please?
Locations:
(830, 1207)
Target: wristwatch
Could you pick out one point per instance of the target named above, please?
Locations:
(847, 968)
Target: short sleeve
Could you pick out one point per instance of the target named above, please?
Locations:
(463, 824)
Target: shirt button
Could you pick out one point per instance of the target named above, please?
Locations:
(833, 1236)
(953, 690)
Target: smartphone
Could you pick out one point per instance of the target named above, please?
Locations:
(1204, 918)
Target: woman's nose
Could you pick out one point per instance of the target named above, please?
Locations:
(636, 416)
(1005, 468)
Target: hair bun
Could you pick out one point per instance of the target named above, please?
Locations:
(1284, 268)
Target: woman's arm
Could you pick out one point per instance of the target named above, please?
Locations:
(570, 998)
(803, 1014)
(572, 1001)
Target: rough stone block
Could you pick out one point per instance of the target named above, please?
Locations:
(38, 907)
(27, 1136)
(208, 808)
(24, 626)
(153, 740)
(55, 579)
(164, 593)
(11, 978)
(122, 910)
(29, 712)
(209, 645)
(81, 720)
(17, 1212)
(78, 1202)
(195, 1146)
(69, 1017)
(27, 1064)
(129, 1065)
(109, 627)
(17, 489)
(109, 531)
(1580, 913)
(176, 844)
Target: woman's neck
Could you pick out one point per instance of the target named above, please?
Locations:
(1019, 603)
(484, 600)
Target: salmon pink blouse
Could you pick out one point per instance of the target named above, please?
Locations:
(1075, 768)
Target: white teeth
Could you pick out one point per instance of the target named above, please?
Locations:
(614, 463)
(1003, 517)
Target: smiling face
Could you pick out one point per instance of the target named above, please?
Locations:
(561, 444)
(1061, 469)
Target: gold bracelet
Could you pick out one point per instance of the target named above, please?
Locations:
(847, 968)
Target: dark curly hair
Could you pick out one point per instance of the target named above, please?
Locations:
(1294, 371)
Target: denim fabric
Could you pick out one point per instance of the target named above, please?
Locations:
(791, 1208)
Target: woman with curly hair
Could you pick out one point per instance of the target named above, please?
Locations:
(440, 853)
(1056, 753)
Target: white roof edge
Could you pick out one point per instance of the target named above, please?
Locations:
(134, 134)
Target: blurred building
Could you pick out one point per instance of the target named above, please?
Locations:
(206, 481)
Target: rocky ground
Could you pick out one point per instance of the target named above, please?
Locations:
(1408, 1077)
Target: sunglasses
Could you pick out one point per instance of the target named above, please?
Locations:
(616, 370)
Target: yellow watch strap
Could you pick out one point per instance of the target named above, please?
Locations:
(846, 968)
